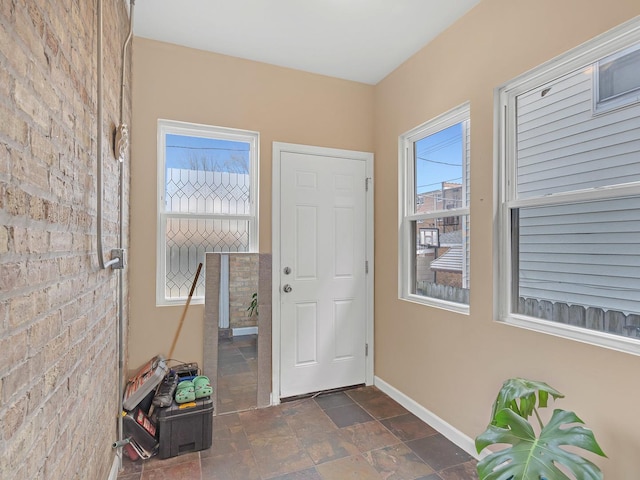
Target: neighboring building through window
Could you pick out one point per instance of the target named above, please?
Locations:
(207, 185)
(617, 79)
(434, 211)
(569, 201)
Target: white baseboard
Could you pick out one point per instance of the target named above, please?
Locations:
(449, 431)
(115, 468)
(244, 331)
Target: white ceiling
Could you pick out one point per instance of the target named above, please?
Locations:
(360, 40)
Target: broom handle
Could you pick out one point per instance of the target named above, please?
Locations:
(184, 312)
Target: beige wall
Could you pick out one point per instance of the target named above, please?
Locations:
(189, 85)
(454, 364)
(431, 355)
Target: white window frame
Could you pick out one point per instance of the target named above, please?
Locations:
(407, 200)
(506, 175)
(166, 127)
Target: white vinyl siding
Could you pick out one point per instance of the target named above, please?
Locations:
(569, 200)
(582, 254)
(563, 147)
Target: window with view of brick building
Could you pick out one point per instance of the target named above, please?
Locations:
(434, 208)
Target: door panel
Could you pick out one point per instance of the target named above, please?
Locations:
(323, 241)
(306, 328)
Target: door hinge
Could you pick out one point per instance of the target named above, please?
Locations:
(366, 183)
(366, 266)
(366, 349)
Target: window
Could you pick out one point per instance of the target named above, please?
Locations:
(569, 197)
(207, 201)
(434, 212)
(617, 79)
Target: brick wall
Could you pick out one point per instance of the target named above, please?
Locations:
(58, 310)
(243, 282)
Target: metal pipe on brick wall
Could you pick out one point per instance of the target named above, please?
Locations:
(99, 139)
(121, 146)
(121, 326)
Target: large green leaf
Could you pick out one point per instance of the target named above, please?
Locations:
(531, 458)
(524, 390)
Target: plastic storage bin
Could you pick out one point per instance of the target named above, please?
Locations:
(185, 428)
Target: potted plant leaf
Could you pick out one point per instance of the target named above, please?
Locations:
(253, 306)
(531, 456)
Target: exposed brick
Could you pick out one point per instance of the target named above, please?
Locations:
(42, 271)
(18, 60)
(3, 317)
(4, 239)
(30, 241)
(13, 127)
(27, 102)
(14, 350)
(56, 348)
(57, 311)
(23, 440)
(37, 19)
(6, 82)
(6, 10)
(41, 332)
(36, 396)
(36, 365)
(29, 32)
(13, 382)
(45, 91)
(13, 417)
(60, 241)
(11, 276)
(5, 164)
(16, 201)
(21, 310)
(38, 175)
(41, 148)
(32, 468)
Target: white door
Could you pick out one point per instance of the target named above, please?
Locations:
(323, 287)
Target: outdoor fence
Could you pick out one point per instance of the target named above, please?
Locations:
(593, 318)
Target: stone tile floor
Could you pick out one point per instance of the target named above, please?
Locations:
(237, 373)
(356, 434)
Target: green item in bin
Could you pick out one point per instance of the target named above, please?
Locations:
(202, 386)
(185, 392)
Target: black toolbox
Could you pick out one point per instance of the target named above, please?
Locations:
(184, 428)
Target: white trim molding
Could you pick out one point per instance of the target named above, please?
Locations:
(238, 331)
(115, 467)
(454, 435)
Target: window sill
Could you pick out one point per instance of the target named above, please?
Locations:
(180, 302)
(441, 304)
(580, 334)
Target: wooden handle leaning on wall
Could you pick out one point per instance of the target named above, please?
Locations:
(184, 312)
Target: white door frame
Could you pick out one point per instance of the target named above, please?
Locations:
(367, 157)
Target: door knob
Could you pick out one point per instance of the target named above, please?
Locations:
(287, 288)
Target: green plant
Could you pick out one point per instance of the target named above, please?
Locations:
(253, 306)
(532, 457)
